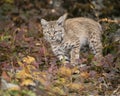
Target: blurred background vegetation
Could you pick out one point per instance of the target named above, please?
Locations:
(21, 36)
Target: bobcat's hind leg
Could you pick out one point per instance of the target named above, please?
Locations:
(96, 48)
(75, 55)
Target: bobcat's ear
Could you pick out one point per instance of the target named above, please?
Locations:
(44, 23)
(61, 20)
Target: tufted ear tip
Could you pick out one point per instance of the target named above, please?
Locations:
(65, 15)
(61, 19)
(44, 22)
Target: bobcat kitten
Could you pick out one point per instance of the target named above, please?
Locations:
(67, 36)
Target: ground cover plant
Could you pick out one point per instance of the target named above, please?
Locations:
(29, 68)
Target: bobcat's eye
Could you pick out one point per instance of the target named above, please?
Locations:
(55, 31)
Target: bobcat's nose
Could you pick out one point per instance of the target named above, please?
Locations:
(53, 38)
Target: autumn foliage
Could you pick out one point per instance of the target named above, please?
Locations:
(29, 68)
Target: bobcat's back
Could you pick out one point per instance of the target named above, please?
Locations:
(81, 24)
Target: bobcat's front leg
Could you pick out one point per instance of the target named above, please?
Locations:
(64, 59)
(75, 55)
(60, 53)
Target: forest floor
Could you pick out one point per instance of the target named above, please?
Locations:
(29, 68)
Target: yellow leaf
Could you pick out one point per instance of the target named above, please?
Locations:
(61, 81)
(42, 81)
(58, 90)
(14, 88)
(84, 74)
(20, 74)
(23, 74)
(41, 77)
(20, 63)
(28, 59)
(75, 70)
(29, 68)
(65, 71)
(27, 82)
(76, 86)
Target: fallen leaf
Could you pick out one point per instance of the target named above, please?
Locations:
(60, 81)
(76, 86)
(27, 82)
(75, 70)
(23, 74)
(20, 63)
(84, 75)
(65, 71)
(28, 59)
(58, 90)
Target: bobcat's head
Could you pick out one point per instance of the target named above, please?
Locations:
(53, 31)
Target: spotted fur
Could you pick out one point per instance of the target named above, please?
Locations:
(67, 36)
